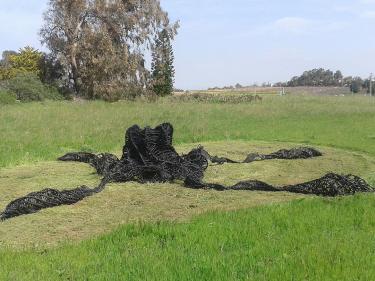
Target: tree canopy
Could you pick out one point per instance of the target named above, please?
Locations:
(102, 43)
(13, 63)
(317, 77)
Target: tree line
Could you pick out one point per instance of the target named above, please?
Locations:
(98, 50)
(318, 77)
(321, 77)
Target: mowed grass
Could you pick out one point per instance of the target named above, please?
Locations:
(127, 203)
(43, 131)
(307, 238)
(310, 239)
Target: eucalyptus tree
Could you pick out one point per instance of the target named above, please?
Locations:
(102, 43)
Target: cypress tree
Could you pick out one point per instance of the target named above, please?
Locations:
(162, 68)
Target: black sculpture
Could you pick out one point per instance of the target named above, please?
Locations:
(148, 156)
(289, 154)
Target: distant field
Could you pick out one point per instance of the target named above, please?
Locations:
(319, 91)
(308, 238)
(299, 91)
(249, 90)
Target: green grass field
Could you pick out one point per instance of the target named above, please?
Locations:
(163, 231)
(43, 131)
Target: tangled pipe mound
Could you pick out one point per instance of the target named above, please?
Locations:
(148, 156)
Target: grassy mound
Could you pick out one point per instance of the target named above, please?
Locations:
(125, 203)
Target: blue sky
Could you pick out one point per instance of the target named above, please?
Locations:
(246, 41)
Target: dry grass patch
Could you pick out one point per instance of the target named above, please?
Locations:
(130, 202)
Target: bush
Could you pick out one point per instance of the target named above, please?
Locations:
(7, 97)
(112, 92)
(216, 98)
(356, 85)
(108, 92)
(28, 87)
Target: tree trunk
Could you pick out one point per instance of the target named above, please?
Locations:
(75, 74)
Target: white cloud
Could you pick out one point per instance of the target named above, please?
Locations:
(299, 25)
(368, 14)
(292, 24)
(367, 1)
(361, 9)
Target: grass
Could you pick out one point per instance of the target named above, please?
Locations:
(130, 202)
(315, 239)
(43, 131)
(307, 238)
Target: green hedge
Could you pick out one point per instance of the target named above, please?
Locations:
(28, 87)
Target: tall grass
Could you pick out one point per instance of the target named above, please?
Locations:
(311, 239)
(43, 131)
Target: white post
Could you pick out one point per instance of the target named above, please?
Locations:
(371, 85)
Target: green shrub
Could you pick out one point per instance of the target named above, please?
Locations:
(28, 87)
(355, 87)
(6, 97)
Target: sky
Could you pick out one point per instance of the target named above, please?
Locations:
(241, 41)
